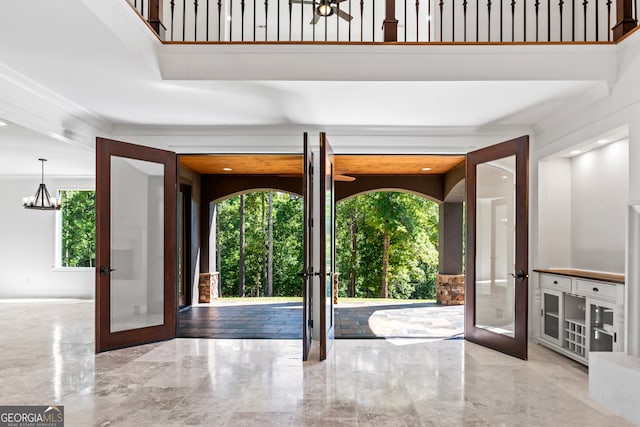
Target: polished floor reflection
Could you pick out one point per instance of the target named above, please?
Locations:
(48, 358)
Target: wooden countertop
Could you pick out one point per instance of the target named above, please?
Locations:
(584, 274)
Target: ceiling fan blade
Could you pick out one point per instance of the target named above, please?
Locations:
(342, 14)
(315, 19)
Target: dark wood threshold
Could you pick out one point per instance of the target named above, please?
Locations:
(585, 274)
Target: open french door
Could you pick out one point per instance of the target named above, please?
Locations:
(307, 257)
(327, 245)
(135, 244)
(496, 284)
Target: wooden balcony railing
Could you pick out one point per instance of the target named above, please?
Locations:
(436, 21)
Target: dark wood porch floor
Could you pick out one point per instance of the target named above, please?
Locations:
(283, 320)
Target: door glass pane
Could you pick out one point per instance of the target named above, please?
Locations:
(495, 245)
(137, 244)
(551, 315)
(181, 299)
(330, 240)
(601, 328)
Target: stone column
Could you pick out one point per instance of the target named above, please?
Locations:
(450, 289)
(450, 280)
(208, 287)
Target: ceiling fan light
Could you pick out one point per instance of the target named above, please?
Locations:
(324, 9)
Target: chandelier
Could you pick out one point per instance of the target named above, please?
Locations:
(41, 201)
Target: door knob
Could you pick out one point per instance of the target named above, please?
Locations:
(519, 276)
(105, 270)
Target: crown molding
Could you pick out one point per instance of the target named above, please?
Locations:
(36, 107)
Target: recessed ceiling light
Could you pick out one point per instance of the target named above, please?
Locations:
(426, 169)
(602, 141)
(227, 169)
(3, 124)
(504, 177)
(574, 152)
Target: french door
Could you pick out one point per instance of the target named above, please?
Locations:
(327, 245)
(307, 256)
(135, 244)
(496, 283)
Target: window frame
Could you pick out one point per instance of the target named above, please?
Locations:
(57, 238)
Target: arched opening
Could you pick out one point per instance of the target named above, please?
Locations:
(387, 243)
(388, 256)
(271, 223)
(258, 254)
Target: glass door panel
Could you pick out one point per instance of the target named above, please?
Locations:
(136, 244)
(495, 243)
(308, 251)
(327, 245)
(551, 313)
(137, 249)
(496, 279)
(602, 327)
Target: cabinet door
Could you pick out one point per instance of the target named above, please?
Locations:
(551, 326)
(601, 318)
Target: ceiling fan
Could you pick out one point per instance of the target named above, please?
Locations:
(325, 8)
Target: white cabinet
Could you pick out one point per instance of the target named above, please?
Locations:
(603, 331)
(551, 328)
(580, 315)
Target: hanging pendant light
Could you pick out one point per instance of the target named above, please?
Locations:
(41, 201)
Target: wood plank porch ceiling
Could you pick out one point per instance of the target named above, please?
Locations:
(344, 164)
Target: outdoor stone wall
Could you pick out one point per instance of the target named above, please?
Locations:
(208, 287)
(450, 289)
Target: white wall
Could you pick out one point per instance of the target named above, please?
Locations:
(556, 134)
(554, 213)
(27, 244)
(581, 209)
(600, 183)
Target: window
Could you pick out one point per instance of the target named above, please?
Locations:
(76, 242)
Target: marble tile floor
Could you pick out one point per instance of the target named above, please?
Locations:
(48, 357)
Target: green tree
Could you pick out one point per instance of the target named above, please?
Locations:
(259, 211)
(78, 228)
(388, 244)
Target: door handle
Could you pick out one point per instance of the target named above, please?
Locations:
(105, 270)
(520, 276)
(304, 275)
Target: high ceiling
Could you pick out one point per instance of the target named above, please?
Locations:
(78, 68)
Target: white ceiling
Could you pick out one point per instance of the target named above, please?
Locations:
(94, 55)
(21, 149)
